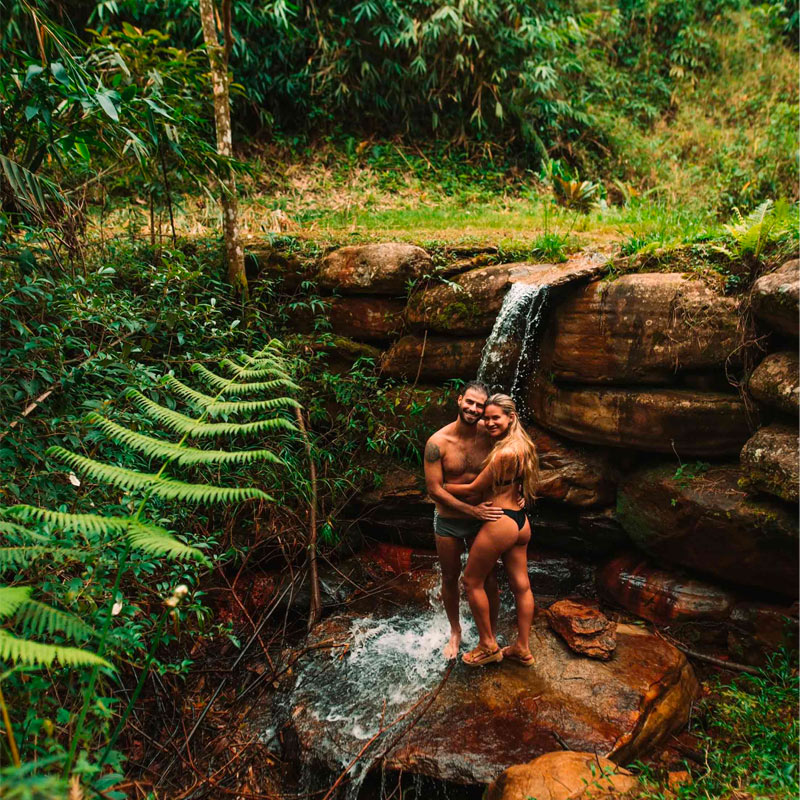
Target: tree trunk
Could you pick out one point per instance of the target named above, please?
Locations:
(222, 119)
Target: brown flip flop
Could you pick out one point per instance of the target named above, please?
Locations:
(480, 656)
(523, 661)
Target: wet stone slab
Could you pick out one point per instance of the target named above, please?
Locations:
(380, 667)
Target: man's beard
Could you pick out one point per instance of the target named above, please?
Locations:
(469, 420)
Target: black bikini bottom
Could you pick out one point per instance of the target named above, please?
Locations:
(518, 516)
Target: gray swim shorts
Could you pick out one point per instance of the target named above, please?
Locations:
(456, 527)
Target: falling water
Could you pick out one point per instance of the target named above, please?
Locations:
(511, 352)
(391, 663)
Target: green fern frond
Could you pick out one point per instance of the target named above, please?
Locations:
(247, 373)
(166, 488)
(12, 528)
(214, 407)
(226, 387)
(142, 536)
(12, 598)
(39, 618)
(159, 542)
(23, 555)
(23, 651)
(184, 425)
(157, 448)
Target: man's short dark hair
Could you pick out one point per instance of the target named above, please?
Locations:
(478, 386)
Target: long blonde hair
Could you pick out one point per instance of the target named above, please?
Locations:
(515, 447)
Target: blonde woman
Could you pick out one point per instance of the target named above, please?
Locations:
(511, 468)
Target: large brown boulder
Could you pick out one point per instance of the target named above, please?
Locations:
(662, 596)
(641, 328)
(702, 519)
(688, 422)
(775, 298)
(366, 318)
(468, 305)
(575, 475)
(477, 723)
(434, 358)
(586, 533)
(562, 776)
(374, 268)
(770, 462)
(776, 384)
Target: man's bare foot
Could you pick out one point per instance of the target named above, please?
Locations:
(451, 648)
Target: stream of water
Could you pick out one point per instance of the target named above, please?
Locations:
(511, 352)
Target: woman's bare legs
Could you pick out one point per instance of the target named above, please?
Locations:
(515, 561)
(492, 540)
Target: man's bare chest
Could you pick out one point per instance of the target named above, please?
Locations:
(459, 460)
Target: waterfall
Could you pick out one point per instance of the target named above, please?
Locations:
(511, 352)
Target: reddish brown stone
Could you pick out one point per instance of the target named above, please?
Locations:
(657, 420)
(366, 318)
(702, 519)
(770, 462)
(776, 384)
(562, 776)
(575, 475)
(374, 268)
(469, 303)
(641, 328)
(775, 298)
(433, 358)
(586, 630)
(659, 595)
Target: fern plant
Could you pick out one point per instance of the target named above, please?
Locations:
(752, 234)
(255, 384)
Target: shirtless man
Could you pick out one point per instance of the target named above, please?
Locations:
(455, 454)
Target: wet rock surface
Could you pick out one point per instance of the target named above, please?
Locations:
(469, 725)
(659, 595)
(589, 533)
(656, 420)
(586, 630)
(775, 298)
(770, 462)
(470, 304)
(433, 358)
(776, 384)
(374, 268)
(707, 522)
(562, 776)
(641, 328)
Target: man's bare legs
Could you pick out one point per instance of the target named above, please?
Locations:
(449, 550)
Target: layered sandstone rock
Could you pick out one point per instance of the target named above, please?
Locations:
(575, 475)
(586, 533)
(662, 596)
(432, 358)
(641, 328)
(586, 630)
(775, 298)
(374, 268)
(366, 318)
(707, 522)
(770, 461)
(776, 384)
(481, 722)
(468, 305)
(563, 776)
(688, 422)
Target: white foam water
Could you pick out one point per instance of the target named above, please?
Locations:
(520, 319)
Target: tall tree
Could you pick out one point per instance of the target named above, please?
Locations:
(218, 56)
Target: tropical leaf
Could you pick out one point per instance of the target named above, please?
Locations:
(39, 618)
(23, 555)
(248, 373)
(159, 542)
(166, 488)
(179, 454)
(213, 407)
(24, 651)
(228, 386)
(12, 598)
(182, 424)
